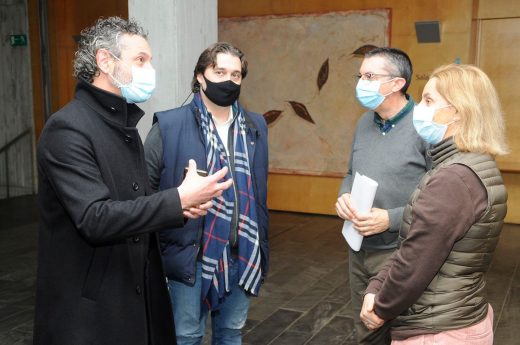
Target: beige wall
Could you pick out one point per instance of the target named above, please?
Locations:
(498, 9)
(459, 28)
(499, 33)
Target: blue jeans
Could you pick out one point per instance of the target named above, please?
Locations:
(190, 318)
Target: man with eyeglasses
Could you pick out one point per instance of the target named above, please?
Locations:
(386, 148)
(215, 263)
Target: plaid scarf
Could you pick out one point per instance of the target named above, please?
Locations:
(217, 223)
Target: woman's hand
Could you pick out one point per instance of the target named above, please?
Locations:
(368, 315)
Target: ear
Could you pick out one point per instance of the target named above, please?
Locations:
(103, 60)
(202, 82)
(399, 83)
(200, 78)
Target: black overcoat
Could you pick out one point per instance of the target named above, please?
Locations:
(100, 278)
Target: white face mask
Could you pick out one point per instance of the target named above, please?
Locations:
(141, 87)
(429, 130)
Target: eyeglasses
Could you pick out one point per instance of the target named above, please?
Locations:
(370, 76)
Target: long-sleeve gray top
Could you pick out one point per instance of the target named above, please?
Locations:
(396, 159)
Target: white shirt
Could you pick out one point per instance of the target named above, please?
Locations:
(223, 128)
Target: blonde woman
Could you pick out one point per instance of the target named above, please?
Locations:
(433, 287)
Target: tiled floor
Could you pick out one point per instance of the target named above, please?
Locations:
(305, 299)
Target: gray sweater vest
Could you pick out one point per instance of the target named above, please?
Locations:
(456, 298)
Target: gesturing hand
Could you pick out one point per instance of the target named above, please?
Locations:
(196, 190)
(196, 212)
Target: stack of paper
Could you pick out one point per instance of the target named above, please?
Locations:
(361, 198)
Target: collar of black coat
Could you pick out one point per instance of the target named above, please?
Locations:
(112, 107)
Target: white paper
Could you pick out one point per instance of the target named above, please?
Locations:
(361, 198)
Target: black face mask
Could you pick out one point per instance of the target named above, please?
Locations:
(223, 94)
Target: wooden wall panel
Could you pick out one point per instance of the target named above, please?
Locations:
(512, 182)
(313, 194)
(66, 19)
(498, 9)
(499, 59)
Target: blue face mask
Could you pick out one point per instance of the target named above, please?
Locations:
(429, 130)
(367, 93)
(141, 87)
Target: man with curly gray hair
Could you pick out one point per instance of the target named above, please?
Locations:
(100, 278)
(105, 34)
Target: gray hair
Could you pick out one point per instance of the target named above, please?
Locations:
(398, 62)
(106, 34)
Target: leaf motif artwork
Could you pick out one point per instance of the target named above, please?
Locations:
(301, 111)
(323, 74)
(302, 82)
(361, 51)
(271, 116)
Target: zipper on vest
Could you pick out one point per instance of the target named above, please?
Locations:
(233, 232)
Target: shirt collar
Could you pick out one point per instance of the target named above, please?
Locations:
(386, 126)
(230, 117)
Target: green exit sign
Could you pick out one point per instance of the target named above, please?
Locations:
(18, 40)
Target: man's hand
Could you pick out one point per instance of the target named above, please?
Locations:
(344, 208)
(368, 315)
(196, 191)
(196, 212)
(373, 223)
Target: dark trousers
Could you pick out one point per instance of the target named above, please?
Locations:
(363, 265)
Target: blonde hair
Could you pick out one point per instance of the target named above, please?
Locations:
(481, 125)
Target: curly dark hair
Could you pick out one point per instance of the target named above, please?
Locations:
(209, 58)
(105, 33)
